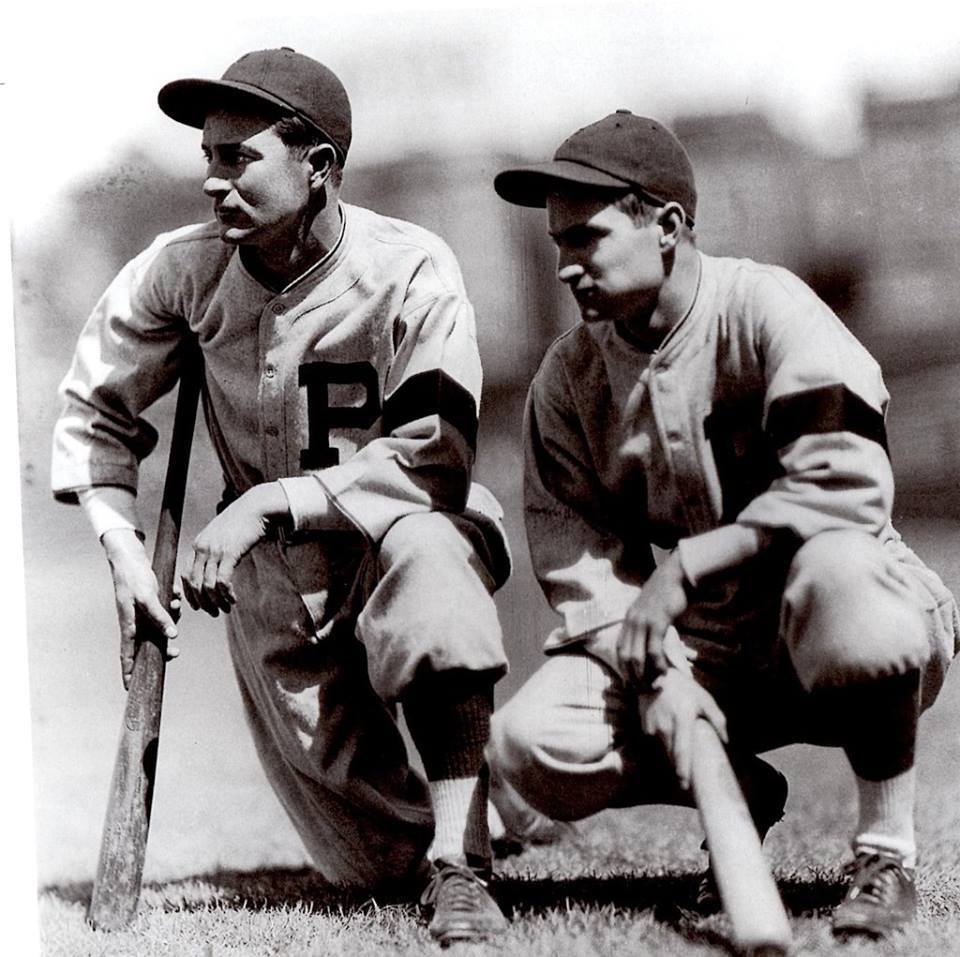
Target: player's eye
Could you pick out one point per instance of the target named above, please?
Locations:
(577, 238)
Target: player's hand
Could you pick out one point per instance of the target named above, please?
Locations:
(220, 546)
(136, 591)
(670, 712)
(663, 598)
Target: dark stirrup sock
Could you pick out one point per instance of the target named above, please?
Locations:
(448, 715)
(878, 724)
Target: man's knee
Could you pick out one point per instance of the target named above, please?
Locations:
(518, 754)
(563, 773)
(848, 615)
(419, 534)
(448, 549)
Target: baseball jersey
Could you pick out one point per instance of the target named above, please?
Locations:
(359, 383)
(759, 413)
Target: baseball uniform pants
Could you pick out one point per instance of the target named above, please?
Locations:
(852, 609)
(322, 712)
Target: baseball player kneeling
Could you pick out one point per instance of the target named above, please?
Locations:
(717, 409)
(341, 390)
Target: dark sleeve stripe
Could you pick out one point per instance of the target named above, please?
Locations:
(832, 408)
(432, 393)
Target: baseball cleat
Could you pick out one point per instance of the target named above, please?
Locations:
(708, 895)
(461, 906)
(767, 809)
(882, 897)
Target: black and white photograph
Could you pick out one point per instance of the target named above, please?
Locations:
(482, 478)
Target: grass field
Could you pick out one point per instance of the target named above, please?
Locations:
(226, 876)
(618, 885)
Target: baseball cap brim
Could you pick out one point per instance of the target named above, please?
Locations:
(191, 101)
(530, 185)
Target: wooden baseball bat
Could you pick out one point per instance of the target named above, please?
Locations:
(747, 889)
(116, 888)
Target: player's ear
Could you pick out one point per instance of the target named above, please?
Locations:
(322, 160)
(670, 218)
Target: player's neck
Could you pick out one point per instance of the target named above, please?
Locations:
(279, 265)
(673, 302)
(679, 290)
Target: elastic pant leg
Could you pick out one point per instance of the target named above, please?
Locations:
(332, 752)
(431, 608)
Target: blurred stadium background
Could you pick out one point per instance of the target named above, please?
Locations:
(868, 216)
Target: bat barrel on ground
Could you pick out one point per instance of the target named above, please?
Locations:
(116, 888)
(747, 889)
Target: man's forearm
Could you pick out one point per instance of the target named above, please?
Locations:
(110, 507)
(304, 503)
(719, 549)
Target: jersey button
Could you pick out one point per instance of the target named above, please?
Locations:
(270, 371)
(271, 430)
(278, 308)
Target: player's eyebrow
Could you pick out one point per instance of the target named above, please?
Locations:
(574, 233)
(225, 146)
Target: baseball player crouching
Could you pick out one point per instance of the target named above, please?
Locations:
(717, 409)
(341, 390)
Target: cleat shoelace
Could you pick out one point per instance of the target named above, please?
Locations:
(708, 894)
(876, 878)
(463, 889)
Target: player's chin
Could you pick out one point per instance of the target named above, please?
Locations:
(235, 235)
(590, 313)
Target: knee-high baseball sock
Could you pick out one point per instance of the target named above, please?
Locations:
(448, 715)
(881, 722)
(886, 816)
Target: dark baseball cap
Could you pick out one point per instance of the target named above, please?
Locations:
(290, 82)
(620, 152)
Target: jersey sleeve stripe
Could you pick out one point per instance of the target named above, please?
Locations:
(832, 408)
(432, 393)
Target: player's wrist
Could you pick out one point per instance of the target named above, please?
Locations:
(659, 681)
(688, 581)
(121, 541)
(269, 502)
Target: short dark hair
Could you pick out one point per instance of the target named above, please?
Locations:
(301, 136)
(635, 206)
(640, 208)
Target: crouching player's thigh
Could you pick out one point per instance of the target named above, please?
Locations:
(856, 609)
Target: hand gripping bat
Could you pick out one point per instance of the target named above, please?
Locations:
(747, 890)
(116, 888)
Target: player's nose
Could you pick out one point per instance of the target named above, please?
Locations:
(216, 184)
(569, 272)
